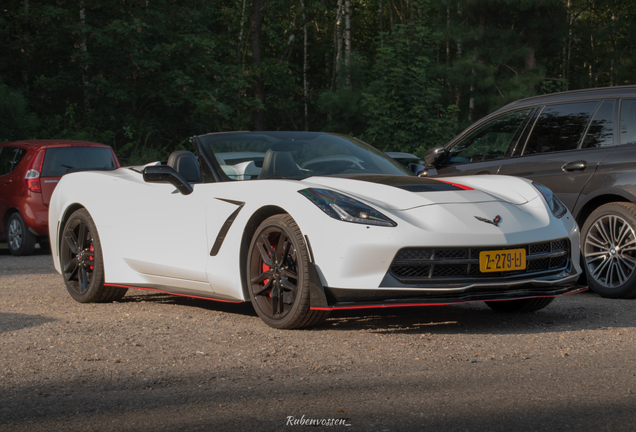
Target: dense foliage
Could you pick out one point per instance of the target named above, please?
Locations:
(144, 75)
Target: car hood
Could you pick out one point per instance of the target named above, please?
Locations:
(405, 192)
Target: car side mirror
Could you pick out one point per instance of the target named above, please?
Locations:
(167, 174)
(435, 156)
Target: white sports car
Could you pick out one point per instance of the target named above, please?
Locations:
(299, 242)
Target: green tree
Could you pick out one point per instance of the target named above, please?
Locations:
(497, 51)
(404, 102)
(16, 121)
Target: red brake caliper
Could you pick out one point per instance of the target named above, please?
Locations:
(266, 281)
(91, 257)
(265, 267)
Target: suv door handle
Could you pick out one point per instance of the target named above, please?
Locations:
(574, 166)
(8, 181)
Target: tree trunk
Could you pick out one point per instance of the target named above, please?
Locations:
(305, 87)
(240, 44)
(531, 62)
(471, 100)
(25, 72)
(259, 88)
(592, 64)
(613, 50)
(447, 37)
(338, 43)
(567, 63)
(381, 26)
(83, 47)
(348, 41)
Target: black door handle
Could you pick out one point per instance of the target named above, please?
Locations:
(574, 166)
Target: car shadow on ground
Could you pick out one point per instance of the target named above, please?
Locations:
(201, 403)
(137, 296)
(564, 314)
(17, 321)
(4, 250)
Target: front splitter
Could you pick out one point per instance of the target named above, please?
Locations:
(443, 299)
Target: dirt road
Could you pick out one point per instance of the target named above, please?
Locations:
(154, 362)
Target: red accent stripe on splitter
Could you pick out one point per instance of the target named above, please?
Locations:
(461, 186)
(331, 308)
(171, 293)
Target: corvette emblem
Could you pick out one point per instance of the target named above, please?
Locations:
(495, 221)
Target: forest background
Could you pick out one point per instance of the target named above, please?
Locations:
(404, 75)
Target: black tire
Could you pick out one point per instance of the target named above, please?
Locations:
(608, 246)
(82, 263)
(19, 239)
(520, 306)
(278, 275)
(45, 245)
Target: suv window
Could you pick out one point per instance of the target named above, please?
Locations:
(628, 121)
(601, 130)
(10, 157)
(490, 141)
(560, 127)
(59, 160)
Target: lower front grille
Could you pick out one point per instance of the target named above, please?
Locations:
(455, 265)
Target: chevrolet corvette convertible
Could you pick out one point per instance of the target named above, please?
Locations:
(303, 223)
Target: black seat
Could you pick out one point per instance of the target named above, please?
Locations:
(185, 163)
(279, 164)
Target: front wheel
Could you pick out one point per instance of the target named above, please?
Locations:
(521, 305)
(81, 260)
(609, 250)
(278, 275)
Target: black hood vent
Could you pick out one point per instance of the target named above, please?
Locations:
(412, 184)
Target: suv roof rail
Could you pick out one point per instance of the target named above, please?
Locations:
(573, 93)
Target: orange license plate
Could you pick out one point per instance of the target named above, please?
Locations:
(502, 260)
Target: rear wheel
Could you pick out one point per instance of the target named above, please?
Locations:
(19, 239)
(278, 275)
(609, 250)
(81, 260)
(521, 305)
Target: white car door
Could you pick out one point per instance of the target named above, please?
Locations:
(165, 233)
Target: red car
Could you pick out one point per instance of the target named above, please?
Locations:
(29, 171)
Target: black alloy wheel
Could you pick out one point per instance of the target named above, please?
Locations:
(278, 275)
(81, 260)
(609, 250)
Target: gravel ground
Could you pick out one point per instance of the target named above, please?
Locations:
(155, 362)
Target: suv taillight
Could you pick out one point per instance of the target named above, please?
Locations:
(33, 174)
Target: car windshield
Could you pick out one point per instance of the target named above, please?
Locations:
(295, 155)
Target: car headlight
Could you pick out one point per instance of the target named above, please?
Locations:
(556, 206)
(345, 208)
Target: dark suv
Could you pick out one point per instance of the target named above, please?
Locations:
(582, 145)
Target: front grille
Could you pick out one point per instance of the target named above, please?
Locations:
(451, 254)
(456, 265)
(412, 271)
